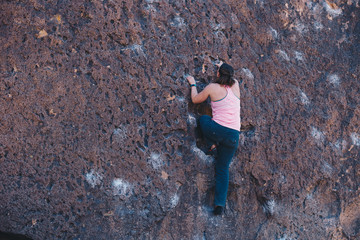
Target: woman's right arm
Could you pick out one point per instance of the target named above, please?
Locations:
(237, 88)
(198, 97)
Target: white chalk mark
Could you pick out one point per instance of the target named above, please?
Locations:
(235, 19)
(273, 33)
(284, 237)
(334, 79)
(241, 139)
(156, 160)
(301, 28)
(318, 26)
(180, 99)
(304, 99)
(178, 22)
(327, 169)
(144, 212)
(120, 133)
(217, 27)
(343, 144)
(269, 207)
(136, 48)
(248, 73)
(121, 187)
(260, 1)
(93, 178)
(174, 200)
(309, 196)
(318, 135)
(220, 34)
(282, 179)
(150, 8)
(199, 236)
(192, 120)
(284, 55)
(337, 145)
(355, 138)
(202, 155)
(299, 56)
(333, 10)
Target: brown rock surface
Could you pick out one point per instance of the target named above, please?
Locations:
(98, 136)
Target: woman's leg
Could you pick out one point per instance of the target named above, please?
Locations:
(227, 142)
(222, 164)
(226, 151)
(210, 130)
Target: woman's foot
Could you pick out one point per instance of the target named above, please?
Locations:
(218, 210)
(212, 150)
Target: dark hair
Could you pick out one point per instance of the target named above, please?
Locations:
(226, 73)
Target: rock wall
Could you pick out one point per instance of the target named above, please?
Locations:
(98, 137)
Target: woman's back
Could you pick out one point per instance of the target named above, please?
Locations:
(225, 104)
(219, 91)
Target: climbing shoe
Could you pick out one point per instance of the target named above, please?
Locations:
(212, 151)
(218, 210)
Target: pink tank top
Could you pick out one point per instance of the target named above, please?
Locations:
(226, 111)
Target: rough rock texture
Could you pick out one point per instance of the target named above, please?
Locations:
(98, 137)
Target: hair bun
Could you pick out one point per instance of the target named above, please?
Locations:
(226, 69)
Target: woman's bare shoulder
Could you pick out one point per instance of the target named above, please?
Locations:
(214, 85)
(236, 84)
(236, 88)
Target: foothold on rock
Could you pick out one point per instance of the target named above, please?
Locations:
(207, 159)
(57, 17)
(164, 175)
(169, 97)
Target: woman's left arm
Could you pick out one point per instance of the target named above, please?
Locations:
(198, 97)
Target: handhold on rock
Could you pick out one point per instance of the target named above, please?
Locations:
(42, 34)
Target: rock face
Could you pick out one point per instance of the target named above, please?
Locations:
(98, 136)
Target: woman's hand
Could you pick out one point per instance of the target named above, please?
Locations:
(219, 64)
(191, 80)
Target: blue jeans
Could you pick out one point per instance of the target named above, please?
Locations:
(226, 140)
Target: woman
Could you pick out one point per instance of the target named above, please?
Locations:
(222, 131)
